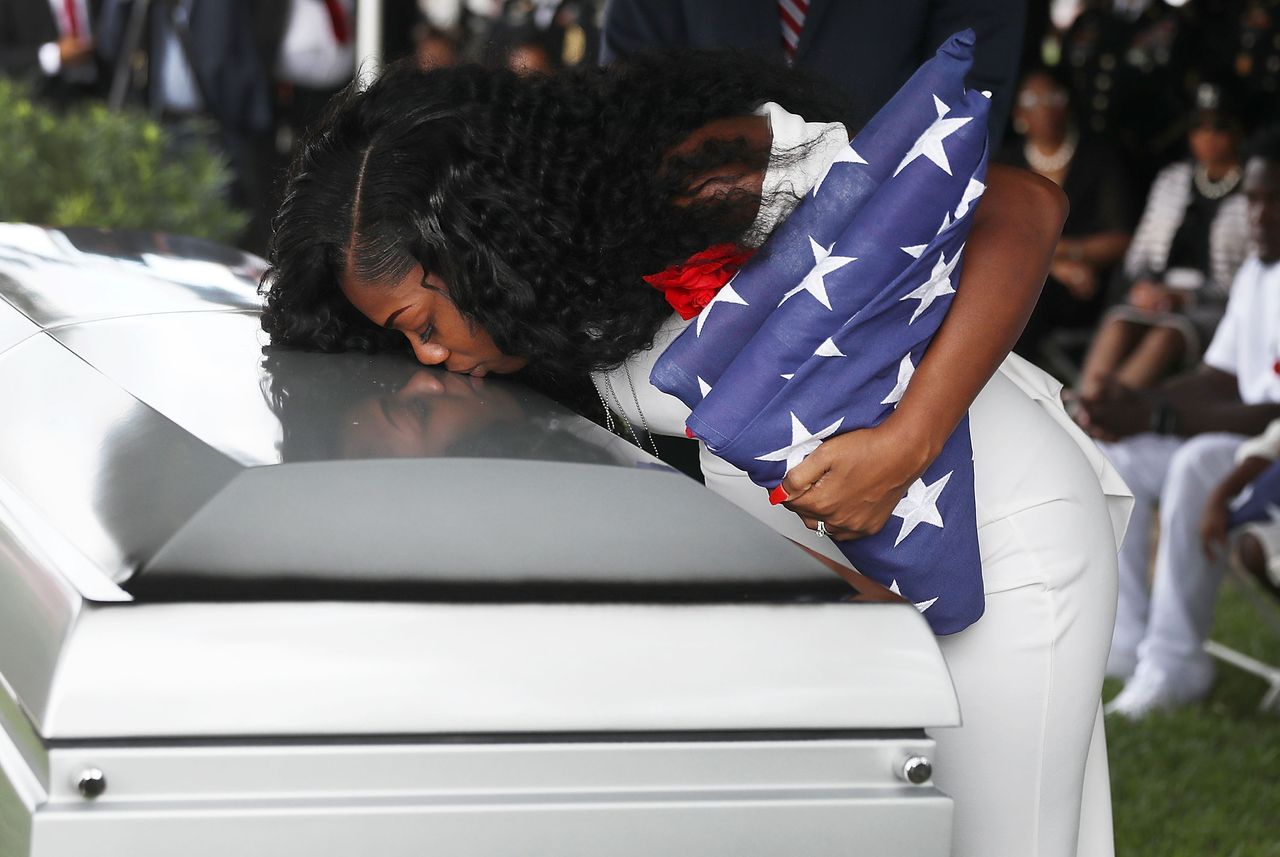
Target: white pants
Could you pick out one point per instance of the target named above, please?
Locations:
(1028, 674)
(1029, 678)
(1163, 628)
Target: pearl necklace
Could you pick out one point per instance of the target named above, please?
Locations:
(1058, 160)
(1215, 190)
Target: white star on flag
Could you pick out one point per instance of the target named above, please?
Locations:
(823, 263)
(920, 506)
(938, 284)
(726, 295)
(930, 142)
(829, 349)
(915, 251)
(946, 222)
(905, 371)
(803, 442)
(847, 156)
(704, 387)
(972, 192)
(788, 376)
(919, 605)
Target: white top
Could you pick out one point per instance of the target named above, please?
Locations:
(800, 154)
(310, 54)
(1016, 465)
(1166, 206)
(1247, 343)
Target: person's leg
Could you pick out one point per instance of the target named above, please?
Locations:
(1159, 350)
(1142, 462)
(1173, 667)
(1112, 343)
(1186, 581)
(1028, 675)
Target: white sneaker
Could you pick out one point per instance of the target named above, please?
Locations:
(1150, 690)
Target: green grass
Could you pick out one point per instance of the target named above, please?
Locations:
(1204, 780)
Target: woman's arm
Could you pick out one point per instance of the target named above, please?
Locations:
(1097, 250)
(853, 482)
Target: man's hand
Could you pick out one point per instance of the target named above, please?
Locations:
(1217, 510)
(1213, 524)
(853, 482)
(74, 50)
(1115, 412)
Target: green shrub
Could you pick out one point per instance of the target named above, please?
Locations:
(89, 166)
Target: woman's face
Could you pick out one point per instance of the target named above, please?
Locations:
(438, 333)
(1042, 107)
(1211, 140)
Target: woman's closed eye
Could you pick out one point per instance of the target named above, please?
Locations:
(424, 335)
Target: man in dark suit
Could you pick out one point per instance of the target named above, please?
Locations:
(203, 61)
(54, 51)
(867, 47)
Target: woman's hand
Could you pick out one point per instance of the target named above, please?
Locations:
(1153, 297)
(853, 482)
(1078, 278)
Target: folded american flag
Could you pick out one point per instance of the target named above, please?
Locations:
(819, 333)
(1260, 500)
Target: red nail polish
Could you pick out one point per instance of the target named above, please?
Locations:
(778, 495)
(688, 432)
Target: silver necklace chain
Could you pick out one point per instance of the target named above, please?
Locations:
(609, 408)
(1215, 189)
(653, 444)
(1060, 157)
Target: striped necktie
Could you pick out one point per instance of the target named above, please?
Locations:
(791, 13)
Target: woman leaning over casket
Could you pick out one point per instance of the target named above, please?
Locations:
(495, 224)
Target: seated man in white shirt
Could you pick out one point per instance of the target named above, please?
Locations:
(1174, 445)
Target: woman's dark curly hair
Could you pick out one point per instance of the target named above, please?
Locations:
(540, 202)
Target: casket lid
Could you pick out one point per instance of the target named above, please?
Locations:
(157, 461)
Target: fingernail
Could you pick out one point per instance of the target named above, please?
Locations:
(778, 495)
(688, 432)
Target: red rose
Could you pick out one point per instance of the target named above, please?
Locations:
(692, 284)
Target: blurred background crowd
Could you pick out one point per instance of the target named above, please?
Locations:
(180, 116)
(1140, 109)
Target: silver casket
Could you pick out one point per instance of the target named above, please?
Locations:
(269, 603)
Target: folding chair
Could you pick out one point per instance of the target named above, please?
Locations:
(1269, 609)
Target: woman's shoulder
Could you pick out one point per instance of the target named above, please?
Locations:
(1177, 173)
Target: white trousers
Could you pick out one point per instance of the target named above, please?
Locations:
(1028, 674)
(1029, 677)
(1162, 628)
